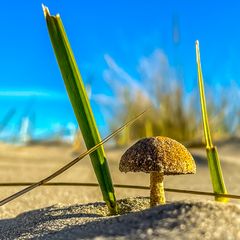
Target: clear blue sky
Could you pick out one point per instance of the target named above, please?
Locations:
(126, 30)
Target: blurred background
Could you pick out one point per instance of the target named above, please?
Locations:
(131, 55)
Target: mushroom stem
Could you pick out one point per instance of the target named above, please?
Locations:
(157, 195)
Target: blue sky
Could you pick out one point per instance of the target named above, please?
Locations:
(127, 31)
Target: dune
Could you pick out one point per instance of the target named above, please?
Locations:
(77, 212)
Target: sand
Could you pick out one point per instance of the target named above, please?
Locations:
(178, 220)
(29, 214)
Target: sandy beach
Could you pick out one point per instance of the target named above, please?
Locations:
(178, 220)
(67, 209)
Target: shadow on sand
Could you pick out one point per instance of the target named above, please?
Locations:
(44, 223)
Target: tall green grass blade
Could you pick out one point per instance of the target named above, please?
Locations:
(81, 105)
(212, 154)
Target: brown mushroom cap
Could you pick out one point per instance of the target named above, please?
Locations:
(158, 154)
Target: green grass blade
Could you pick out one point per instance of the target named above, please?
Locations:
(81, 105)
(207, 132)
(212, 154)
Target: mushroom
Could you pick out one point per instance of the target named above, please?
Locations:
(158, 156)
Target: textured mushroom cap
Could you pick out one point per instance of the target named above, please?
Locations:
(158, 154)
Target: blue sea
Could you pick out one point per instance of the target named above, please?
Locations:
(40, 118)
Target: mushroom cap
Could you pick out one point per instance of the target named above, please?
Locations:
(158, 154)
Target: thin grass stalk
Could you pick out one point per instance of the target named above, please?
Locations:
(70, 164)
(212, 154)
(80, 103)
(83, 184)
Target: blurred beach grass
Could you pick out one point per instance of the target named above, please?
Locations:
(175, 116)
